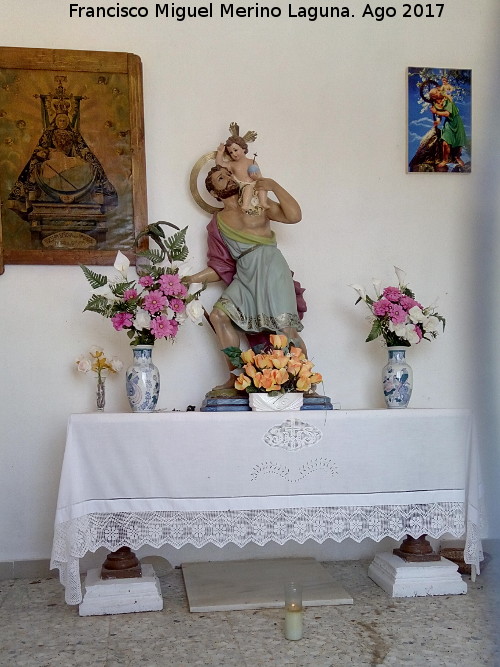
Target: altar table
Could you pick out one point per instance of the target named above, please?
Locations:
(202, 478)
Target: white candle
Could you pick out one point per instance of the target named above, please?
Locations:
(293, 623)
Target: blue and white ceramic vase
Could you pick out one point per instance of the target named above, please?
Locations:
(397, 378)
(143, 380)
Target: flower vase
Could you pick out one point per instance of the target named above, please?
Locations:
(100, 394)
(143, 380)
(397, 378)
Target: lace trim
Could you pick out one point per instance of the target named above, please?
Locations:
(73, 539)
(260, 322)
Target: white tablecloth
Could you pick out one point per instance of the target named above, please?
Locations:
(214, 478)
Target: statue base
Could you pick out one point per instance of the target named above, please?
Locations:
(239, 402)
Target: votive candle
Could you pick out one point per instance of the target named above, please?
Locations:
(293, 611)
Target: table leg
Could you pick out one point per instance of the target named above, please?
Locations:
(416, 550)
(121, 564)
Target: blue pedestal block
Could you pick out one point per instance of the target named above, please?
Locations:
(240, 404)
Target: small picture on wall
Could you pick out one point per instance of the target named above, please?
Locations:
(439, 120)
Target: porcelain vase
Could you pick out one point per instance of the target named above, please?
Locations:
(397, 378)
(143, 380)
(260, 402)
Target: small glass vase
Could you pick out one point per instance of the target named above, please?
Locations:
(100, 394)
(397, 378)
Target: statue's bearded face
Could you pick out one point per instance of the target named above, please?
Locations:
(224, 185)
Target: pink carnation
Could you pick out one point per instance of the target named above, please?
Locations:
(162, 327)
(177, 305)
(170, 284)
(155, 301)
(381, 308)
(129, 294)
(397, 314)
(122, 321)
(407, 302)
(146, 281)
(392, 293)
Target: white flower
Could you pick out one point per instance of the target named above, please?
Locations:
(376, 287)
(416, 314)
(398, 329)
(411, 335)
(430, 323)
(115, 364)
(194, 310)
(142, 320)
(360, 290)
(83, 364)
(401, 276)
(122, 262)
(180, 317)
(194, 287)
(96, 351)
(183, 268)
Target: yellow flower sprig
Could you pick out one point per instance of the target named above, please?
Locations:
(98, 363)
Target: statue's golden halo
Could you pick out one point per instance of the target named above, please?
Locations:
(193, 182)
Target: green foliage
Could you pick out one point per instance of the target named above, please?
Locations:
(153, 256)
(177, 250)
(98, 304)
(375, 332)
(96, 280)
(119, 288)
(234, 356)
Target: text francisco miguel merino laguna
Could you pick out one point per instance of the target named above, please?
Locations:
(224, 10)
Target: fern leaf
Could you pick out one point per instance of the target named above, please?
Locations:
(96, 280)
(154, 256)
(97, 304)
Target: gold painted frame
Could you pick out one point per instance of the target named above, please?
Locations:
(108, 90)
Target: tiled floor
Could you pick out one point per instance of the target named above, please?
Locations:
(37, 629)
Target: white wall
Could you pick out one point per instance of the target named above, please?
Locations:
(328, 101)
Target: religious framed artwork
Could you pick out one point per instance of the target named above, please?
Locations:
(439, 120)
(73, 173)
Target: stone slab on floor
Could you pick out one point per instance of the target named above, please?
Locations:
(121, 596)
(405, 580)
(258, 584)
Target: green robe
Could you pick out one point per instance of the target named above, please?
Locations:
(453, 131)
(261, 296)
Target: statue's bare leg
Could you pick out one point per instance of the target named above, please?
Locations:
(228, 337)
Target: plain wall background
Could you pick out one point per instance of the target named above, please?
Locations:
(328, 100)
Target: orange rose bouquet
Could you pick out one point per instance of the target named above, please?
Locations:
(276, 367)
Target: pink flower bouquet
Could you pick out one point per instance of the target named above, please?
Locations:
(154, 305)
(398, 316)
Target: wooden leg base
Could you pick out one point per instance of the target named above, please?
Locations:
(416, 558)
(121, 564)
(416, 550)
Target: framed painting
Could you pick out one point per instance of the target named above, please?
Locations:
(439, 120)
(73, 174)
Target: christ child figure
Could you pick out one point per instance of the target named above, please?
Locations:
(245, 172)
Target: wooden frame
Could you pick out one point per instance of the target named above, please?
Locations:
(93, 102)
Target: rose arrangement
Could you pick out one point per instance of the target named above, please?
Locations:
(276, 367)
(154, 305)
(98, 363)
(398, 317)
